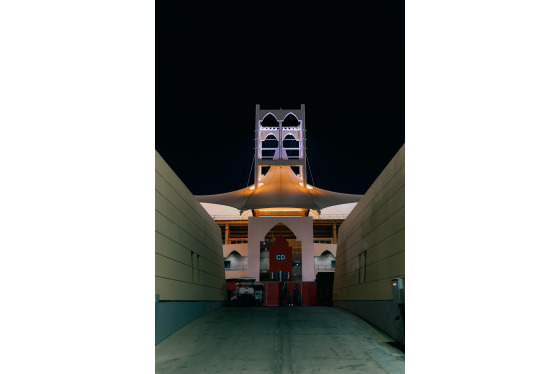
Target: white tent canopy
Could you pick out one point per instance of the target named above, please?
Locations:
(280, 188)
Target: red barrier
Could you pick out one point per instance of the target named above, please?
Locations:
(273, 292)
(230, 284)
(309, 293)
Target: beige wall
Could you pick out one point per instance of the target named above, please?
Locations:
(235, 274)
(185, 235)
(302, 227)
(319, 248)
(375, 226)
(240, 248)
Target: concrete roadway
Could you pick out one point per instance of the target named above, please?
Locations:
(278, 340)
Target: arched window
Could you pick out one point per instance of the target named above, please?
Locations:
(281, 229)
(269, 121)
(234, 253)
(290, 142)
(269, 142)
(290, 121)
(291, 145)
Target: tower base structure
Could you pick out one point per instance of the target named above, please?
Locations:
(302, 227)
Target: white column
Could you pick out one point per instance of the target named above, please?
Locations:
(306, 234)
(253, 248)
(280, 141)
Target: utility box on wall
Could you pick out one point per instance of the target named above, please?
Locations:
(398, 297)
(398, 290)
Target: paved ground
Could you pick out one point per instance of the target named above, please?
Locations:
(278, 340)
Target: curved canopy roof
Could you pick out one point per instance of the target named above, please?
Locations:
(280, 189)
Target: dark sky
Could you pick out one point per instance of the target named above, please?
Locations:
(345, 65)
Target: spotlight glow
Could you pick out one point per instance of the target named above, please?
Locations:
(253, 186)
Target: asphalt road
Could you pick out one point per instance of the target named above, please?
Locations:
(278, 340)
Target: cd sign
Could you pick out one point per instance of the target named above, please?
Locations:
(280, 268)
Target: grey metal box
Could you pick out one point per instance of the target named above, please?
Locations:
(397, 285)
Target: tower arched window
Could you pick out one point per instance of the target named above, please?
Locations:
(269, 146)
(291, 145)
(290, 142)
(269, 121)
(290, 121)
(270, 142)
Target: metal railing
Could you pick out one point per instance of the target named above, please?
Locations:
(239, 267)
(245, 218)
(244, 267)
(332, 216)
(228, 218)
(323, 267)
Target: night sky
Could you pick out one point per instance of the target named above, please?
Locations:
(346, 66)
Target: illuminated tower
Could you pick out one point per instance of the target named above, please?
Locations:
(280, 193)
(280, 140)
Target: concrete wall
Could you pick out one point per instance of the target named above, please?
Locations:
(323, 263)
(371, 251)
(235, 274)
(189, 263)
(236, 261)
(319, 248)
(240, 248)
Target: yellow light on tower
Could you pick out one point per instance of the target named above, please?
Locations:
(308, 186)
(253, 186)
